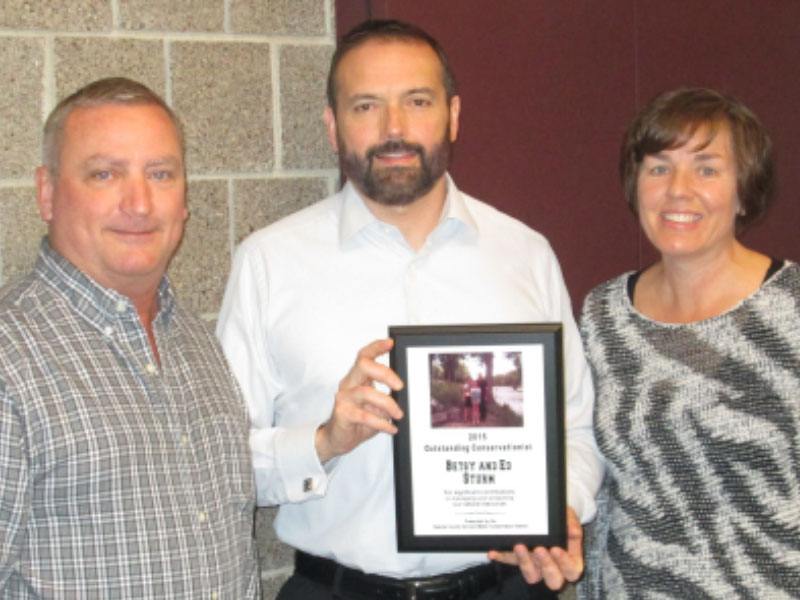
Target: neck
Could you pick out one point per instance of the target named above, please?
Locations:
(145, 301)
(686, 276)
(702, 287)
(417, 219)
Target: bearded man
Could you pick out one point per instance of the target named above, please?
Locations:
(399, 244)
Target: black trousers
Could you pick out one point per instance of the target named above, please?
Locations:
(514, 588)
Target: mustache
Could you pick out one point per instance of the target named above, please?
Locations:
(395, 146)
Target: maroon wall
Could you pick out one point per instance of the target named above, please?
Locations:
(549, 87)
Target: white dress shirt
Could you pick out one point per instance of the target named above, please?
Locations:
(307, 292)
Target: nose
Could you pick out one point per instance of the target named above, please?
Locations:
(137, 198)
(679, 182)
(395, 122)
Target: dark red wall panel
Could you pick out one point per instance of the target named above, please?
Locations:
(549, 87)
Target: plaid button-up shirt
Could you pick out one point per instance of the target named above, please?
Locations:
(119, 477)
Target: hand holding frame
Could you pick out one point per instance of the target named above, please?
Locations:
(360, 411)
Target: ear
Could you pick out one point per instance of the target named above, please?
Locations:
(330, 126)
(44, 193)
(185, 199)
(455, 111)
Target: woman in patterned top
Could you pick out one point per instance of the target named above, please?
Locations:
(696, 362)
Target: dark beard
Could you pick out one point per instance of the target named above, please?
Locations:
(396, 186)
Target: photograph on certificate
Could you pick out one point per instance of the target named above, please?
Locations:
(476, 389)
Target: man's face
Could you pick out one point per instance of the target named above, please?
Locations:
(116, 208)
(393, 125)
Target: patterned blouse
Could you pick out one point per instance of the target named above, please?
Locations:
(699, 425)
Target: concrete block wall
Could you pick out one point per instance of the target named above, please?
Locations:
(247, 78)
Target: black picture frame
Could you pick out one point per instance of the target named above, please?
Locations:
(510, 484)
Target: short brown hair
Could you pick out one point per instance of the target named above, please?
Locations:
(387, 30)
(669, 121)
(111, 90)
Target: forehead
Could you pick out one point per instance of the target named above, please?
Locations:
(388, 64)
(120, 127)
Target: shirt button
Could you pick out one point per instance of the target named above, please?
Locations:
(308, 484)
(151, 368)
(184, 440)
(214, 595)
(201, 517)
(108, 331)
(122, 306)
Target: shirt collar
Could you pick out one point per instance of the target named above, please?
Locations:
(96, 303)
(355, 216)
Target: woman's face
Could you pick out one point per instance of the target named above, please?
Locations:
(687, 196)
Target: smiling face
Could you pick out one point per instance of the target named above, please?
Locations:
(116, 206)
(687, 198)
(393, 124)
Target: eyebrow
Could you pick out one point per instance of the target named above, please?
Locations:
(369, 96)
(164, 160)
(361, 96)
(120, 162)
(103, 158)
(707, 155)
(422, 90)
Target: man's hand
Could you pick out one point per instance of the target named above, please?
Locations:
(553, 565)
(360, 410)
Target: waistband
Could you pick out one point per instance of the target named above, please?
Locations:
(353, 583)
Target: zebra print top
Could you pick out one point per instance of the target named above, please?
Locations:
(699, 425)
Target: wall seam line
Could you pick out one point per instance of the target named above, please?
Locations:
(277, 120)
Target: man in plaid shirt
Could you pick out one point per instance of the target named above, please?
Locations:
(124, 462)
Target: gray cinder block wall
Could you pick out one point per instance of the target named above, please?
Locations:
(247, 78)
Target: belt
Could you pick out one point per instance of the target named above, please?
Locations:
(352, 583)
